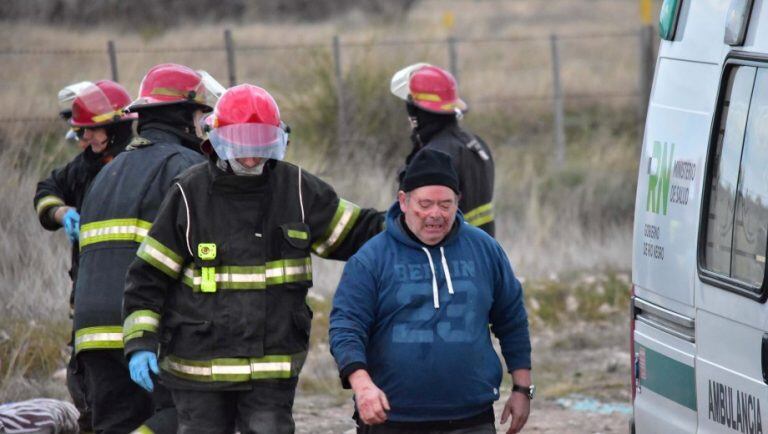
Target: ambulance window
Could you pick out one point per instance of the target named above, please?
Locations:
(725, 174)
(751, 219)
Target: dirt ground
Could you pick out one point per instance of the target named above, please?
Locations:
(319, 414)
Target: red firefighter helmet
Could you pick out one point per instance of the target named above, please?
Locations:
(429, 87)
(246, 123)
(170, 83)
(101, 103)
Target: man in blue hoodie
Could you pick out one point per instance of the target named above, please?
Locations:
(409, 325)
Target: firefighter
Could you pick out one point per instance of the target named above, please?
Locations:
(116, 215)
(434, 110)
(221, 279)
(104, 130)
(95, 113)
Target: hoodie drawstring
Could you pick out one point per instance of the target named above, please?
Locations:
(447, 273)
(444, 263)
(435, 297)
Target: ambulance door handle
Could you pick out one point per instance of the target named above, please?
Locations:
(764, 358)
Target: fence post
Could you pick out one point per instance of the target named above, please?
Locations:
(453, 57)
(112, 59)
(230, 46)
(645, 76)
(557, 104)
(341, 116)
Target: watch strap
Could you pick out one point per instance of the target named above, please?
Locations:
(524, 390)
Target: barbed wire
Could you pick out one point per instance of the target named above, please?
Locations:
(270, 47)
(49, 51)
(344, 44)
(29, 119)
(549, 97)
(166, 50)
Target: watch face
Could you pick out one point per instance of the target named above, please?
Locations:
(529, 391)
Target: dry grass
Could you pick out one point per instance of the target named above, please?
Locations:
(34, 288)
(34, 262)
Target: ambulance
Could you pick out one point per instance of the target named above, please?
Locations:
(699, 318)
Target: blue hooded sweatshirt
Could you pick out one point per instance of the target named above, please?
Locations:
(417, 318)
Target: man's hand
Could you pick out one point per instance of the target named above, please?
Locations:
(517, 408)
(372, 403)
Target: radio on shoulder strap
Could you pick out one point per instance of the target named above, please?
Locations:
(475, 146)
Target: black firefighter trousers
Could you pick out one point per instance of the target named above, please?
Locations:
(118, 404)
(76, 388)
(265, 408)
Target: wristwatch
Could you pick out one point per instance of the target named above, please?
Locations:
(529, 391)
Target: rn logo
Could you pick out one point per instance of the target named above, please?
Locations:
(658, 181)
(741, 414)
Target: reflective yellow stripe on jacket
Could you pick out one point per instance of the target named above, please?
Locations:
(236, 277)
(46, 203)
(235, 369)
(113, 230)
(343, 221)
(253, 277)
(160, 257)
(481, 215)
(138, 322)
(143, 430)
(99, 338)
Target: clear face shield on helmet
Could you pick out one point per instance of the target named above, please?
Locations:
(211, 92)
(67, 94)
(400, 83)
(213, 89)
(249, 140)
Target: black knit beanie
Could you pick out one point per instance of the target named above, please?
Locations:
(430, 167)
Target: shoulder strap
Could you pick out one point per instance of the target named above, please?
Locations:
(472, 143)
(475, 146)
(138, 142)
(301, 198)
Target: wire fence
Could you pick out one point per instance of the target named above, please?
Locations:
(509, 73)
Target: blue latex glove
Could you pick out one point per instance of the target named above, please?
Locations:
(139, 365)
(71, 223)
